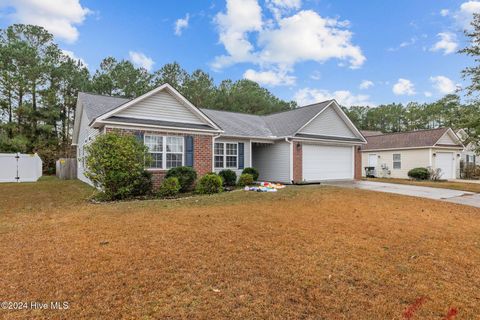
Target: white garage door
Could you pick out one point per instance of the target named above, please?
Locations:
(444, 161)
(327, 163)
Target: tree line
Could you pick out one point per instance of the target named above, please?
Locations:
(446, 112)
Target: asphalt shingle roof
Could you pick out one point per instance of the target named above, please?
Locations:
(239, 124)
(95, 105)
(280, 124)
(411, 139)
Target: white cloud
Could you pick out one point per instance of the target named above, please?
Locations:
(72, 55)
(242, 16)
(181, 24)
(464, 15)
(271, 78)
(61, 18)
(443, 84)
(365, 84)
(139, 59)
(404, 87)
(447, 43)
(307, 96)
(280, 44)
(444, 12)
(310, 37)
(281, 7)
(427, 94)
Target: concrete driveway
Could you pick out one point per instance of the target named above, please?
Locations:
(455, 196)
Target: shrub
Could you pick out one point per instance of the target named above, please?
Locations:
(229, 177)
(209, 183)
(186, 176)
(419, 173)
(143, 185)
(245, 179)
(170, 187)
(252, 171)
(115, 164)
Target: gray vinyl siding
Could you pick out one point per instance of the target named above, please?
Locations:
(161, 106)
(329, 123)
(272, 161)
(446, 139)
(86, 135)
(247, 163)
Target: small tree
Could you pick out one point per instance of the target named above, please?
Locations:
(115, 163)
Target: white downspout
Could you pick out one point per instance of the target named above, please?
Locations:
(291, 159)
(213, 150)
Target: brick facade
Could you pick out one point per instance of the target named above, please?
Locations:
(202, 152)
(358, 164)
(297, 162)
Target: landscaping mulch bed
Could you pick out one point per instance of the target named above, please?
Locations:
(304, 252)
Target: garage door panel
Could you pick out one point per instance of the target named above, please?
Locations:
(327, 162)
(445, 161)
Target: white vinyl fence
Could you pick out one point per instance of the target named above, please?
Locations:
(17, 167)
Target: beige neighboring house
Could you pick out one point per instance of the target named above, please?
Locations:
(469, 154)
(394, 154)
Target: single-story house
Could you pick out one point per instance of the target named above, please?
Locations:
(469, 153)
(309, 144)
(394, 154)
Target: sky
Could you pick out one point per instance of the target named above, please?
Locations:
(358, 52)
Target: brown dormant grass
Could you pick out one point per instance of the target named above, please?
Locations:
(303, 253)
(463, 186)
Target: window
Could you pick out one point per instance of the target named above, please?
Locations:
(226, 155)
(166, 152)
(471, 159)
(174, 152)
(219, 154)
(231, 158)
(155, 148)
(397, 161)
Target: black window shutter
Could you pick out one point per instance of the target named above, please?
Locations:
(241, 155)
(189, 151)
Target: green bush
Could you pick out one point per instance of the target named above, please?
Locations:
(115, 164)
(229, 177)
(143, 186)
(186, 176)
(419, 174)
(252, 171)
(209, 183)
(170, 187)
(245, 179)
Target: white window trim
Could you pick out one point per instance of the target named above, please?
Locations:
(398, 161)
(164, 150)
(225, 155)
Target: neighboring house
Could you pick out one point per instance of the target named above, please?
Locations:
(308, 144)
(394, 154)
(369, 133)
(469, 154)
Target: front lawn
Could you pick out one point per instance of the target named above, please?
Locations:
(304, 252)
(463, 186)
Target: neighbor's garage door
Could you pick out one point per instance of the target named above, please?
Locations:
(327, 162)
(444, 161)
